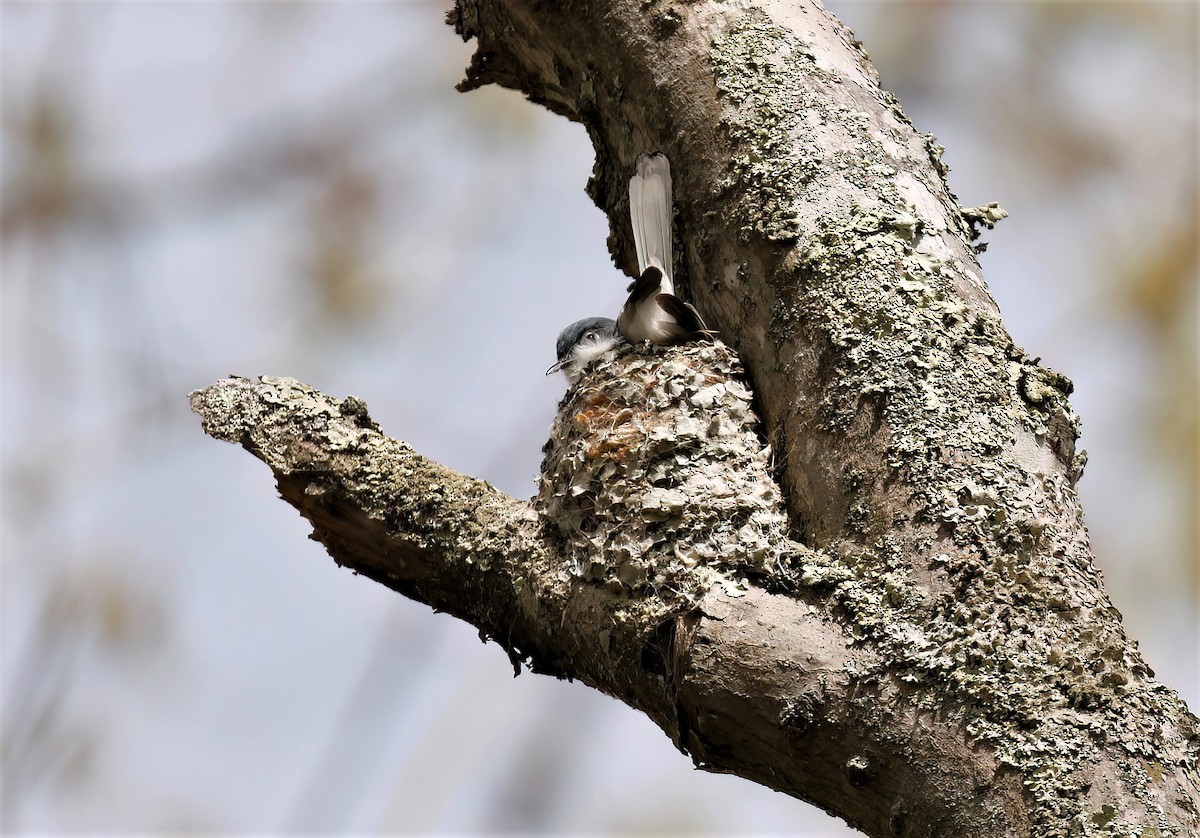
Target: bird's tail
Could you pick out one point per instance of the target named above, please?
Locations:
(650, 211)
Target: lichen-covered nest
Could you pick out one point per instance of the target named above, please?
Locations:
(656, 475)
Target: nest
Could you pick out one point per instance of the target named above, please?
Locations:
(656, 474)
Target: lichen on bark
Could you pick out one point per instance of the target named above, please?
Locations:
(962, 557)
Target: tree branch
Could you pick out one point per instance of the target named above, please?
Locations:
(380, 508)
(701, 665)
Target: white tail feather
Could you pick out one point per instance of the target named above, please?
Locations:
(650, 212)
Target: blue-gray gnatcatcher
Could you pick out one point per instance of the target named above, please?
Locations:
(652, 312)
(583, 342)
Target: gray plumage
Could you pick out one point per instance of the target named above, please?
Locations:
(650, 212)
(583, 342)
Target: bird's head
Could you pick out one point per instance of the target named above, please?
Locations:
(583, 342)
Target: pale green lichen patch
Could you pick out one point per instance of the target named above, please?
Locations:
(656, 478)
(756, 69)
(789, 138)
(987, 216)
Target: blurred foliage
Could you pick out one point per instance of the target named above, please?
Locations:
(1160, 290)
(43, 184)
(341, 220)
(94, 617)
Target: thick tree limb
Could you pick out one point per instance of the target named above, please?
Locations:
(936, 656)
(702, 670)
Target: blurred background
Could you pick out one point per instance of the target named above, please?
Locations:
(192, 190)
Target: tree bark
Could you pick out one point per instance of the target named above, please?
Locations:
(911, 634)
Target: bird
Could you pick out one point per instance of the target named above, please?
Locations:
(583, 342)
(651, 312)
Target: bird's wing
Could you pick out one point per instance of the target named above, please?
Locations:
(688, 320)
(644, 287)
(639, 316)
(650, 212)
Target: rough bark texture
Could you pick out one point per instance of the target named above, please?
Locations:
(931, 651)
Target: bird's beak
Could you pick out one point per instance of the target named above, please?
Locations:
(558, 366)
